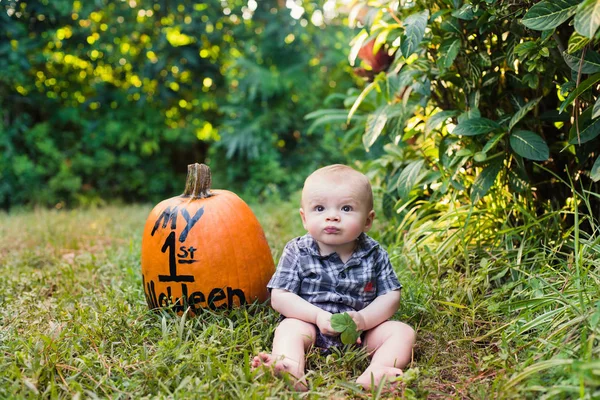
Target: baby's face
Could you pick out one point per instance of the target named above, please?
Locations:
(335, 211)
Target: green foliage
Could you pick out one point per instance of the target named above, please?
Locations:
(344, 324)
(282, 74)
(105, 100)
(485, 93)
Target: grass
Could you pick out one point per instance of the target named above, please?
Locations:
(521, 320)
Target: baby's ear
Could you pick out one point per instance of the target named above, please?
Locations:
(369, 221)
(303, 217)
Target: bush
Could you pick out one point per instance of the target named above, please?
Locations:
(465, 97)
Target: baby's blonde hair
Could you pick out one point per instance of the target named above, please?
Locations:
(341, 171)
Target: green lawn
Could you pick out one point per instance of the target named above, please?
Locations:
(74, 323)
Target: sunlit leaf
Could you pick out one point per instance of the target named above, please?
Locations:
(587, 18)
(409, 178)
(437, 119)
(576, 43)
(381, 39)
(583, 86)
(356, 45)
(375, 123)
(363, 95)
(415, 25)
(596, 111)
(549, 14)
(529, 145)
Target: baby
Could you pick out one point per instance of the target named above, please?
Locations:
(337, 268)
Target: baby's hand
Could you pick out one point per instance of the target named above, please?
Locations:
(324, 323)
(358, 319)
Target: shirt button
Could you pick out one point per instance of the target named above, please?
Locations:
(343, 275)
(340, 298)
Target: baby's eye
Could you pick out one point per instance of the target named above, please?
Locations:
(347, 208)
(319, 208)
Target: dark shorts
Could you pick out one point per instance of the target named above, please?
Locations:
(326, 343)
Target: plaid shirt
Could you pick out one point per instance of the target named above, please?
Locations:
(327, 282)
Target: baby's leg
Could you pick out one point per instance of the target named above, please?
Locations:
(390, 345)
(292, 338)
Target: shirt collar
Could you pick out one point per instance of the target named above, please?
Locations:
(364, 247)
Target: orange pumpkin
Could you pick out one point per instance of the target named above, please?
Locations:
(204, 248)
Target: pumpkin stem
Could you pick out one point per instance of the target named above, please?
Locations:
(197, 185)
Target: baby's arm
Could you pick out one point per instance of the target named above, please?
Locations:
(380, 310)
(293, 306)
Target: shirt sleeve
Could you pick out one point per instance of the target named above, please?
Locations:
(386, 277)
(287, 275)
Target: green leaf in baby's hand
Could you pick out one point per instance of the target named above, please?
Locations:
(341, 322)
(345, 324)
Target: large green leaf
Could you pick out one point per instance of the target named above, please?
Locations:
(375, 124)
(587, 18)
(529, 145)
(475, 126)
(522, 112)
(549, 14)
(408, 178)
(415, 30)
(591, 62)
(583, 86)
(595, 173)
(485, 180)
(589, 133)
(437, 119)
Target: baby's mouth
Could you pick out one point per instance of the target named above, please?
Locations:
(331, 229)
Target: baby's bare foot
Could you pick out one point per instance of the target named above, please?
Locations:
(269, 360)
(374, 374)
(280, 365)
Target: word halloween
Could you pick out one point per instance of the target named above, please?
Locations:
(184, 255)
(195, 301)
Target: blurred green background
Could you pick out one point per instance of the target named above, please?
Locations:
(104, 100)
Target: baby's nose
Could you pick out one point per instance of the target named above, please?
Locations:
(333, 216)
